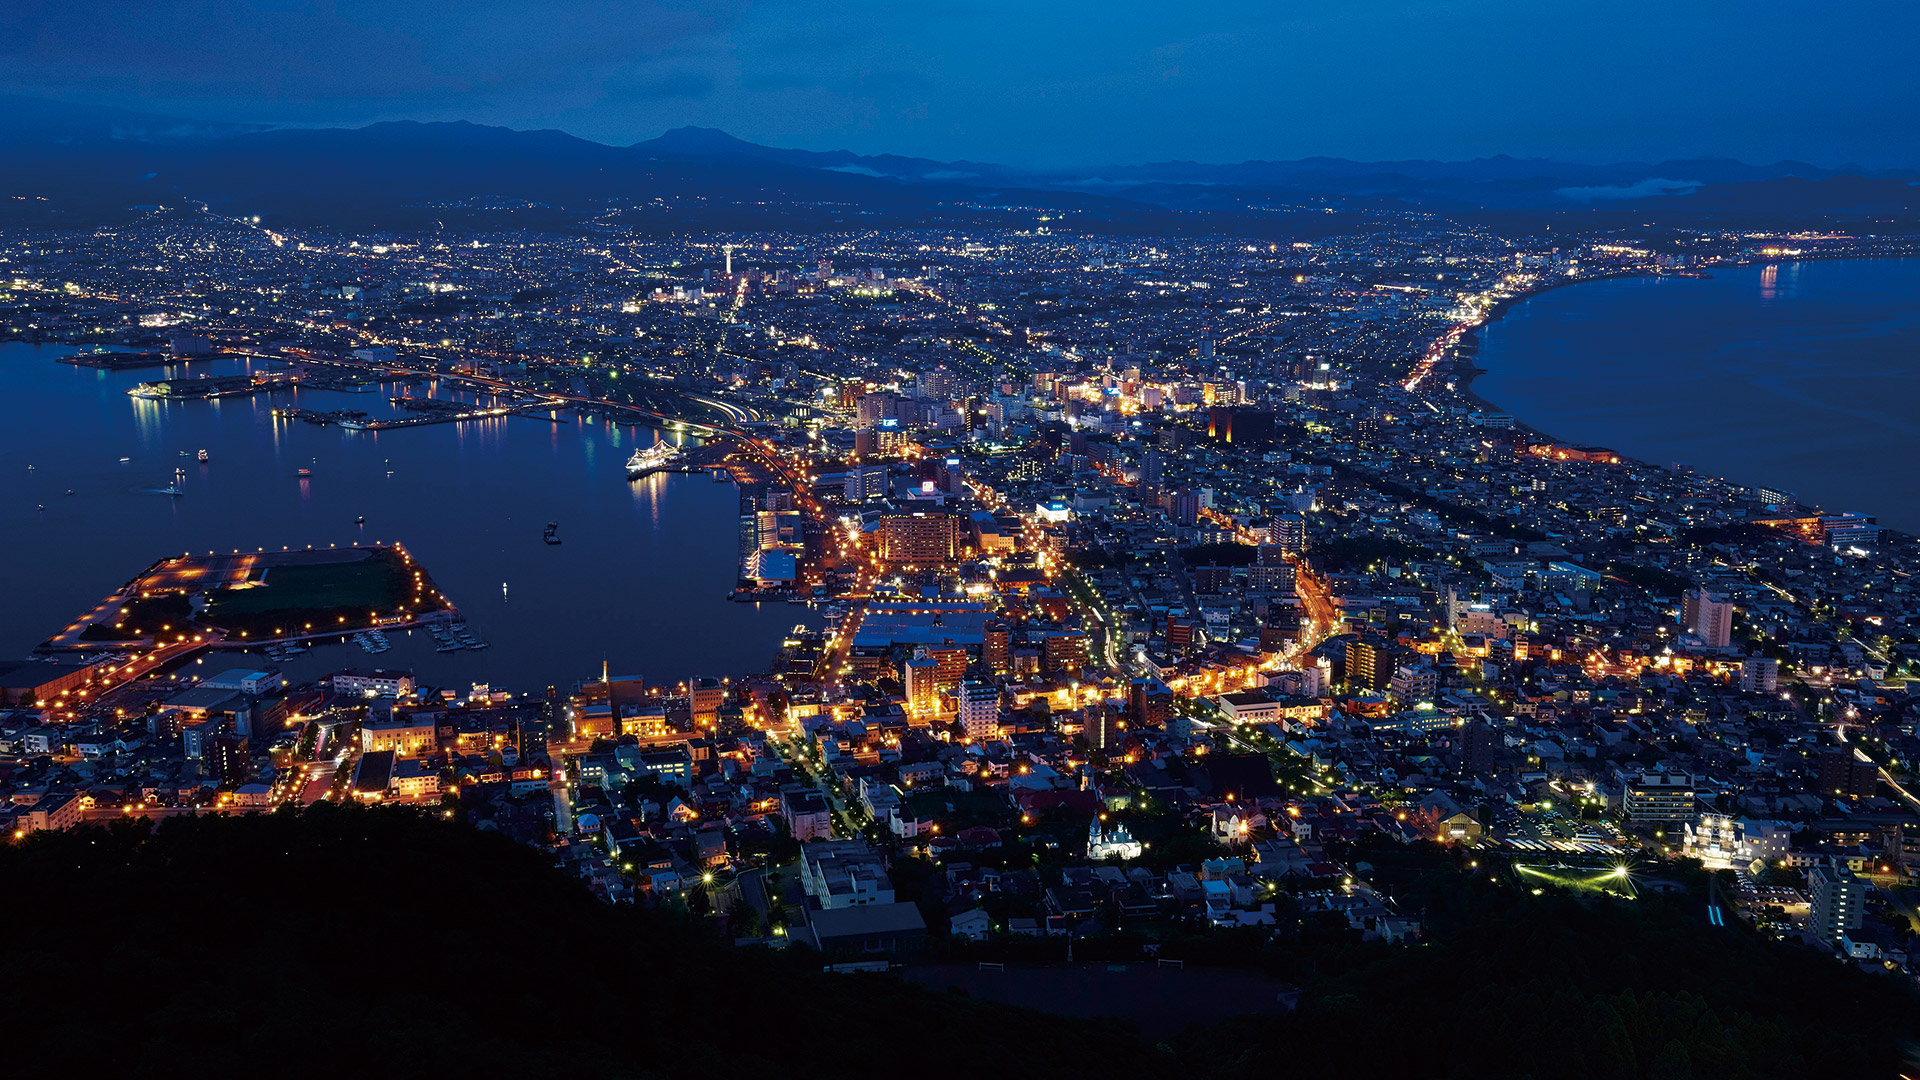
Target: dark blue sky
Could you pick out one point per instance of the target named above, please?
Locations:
(1028, 81)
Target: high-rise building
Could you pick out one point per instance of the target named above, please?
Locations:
(1183, 507)
(1846, 773)
(1837, 900)
(1066, 650)
(980, 709)
(704, 698)
(1288, 532)
(1102, 728)
(997, 647)
(1149, 702)
(1708, 616)
(922, 678)
(865, 482)
(1369, 664)
(919, 540)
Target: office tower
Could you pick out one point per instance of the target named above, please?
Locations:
(865, 482)
(1707, 616)
(1837, 899)
(1153, 468)
(1102, 730)
(1183, 507)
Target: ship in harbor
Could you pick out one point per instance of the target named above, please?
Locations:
(651, 460)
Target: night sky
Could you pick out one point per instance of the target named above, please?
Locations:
(1051, 82)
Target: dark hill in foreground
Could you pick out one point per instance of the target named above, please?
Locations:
(352, 942)
(355, 943)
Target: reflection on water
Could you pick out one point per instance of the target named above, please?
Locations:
(1795, 376)
(645, 587)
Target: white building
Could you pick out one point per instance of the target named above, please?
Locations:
(1759, 674)
(1118, 844)
(374, 683)
(1709, 617)
(980, 709)
(1837, 900)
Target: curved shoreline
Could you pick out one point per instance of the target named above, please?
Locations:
(1465, 376)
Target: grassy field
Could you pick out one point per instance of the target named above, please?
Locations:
(379, 582)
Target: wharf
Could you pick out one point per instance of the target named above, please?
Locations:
(210, 386)
(117, 361)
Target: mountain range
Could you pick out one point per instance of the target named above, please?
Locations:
(74, 162)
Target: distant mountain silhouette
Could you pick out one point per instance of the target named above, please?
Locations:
(86, 160)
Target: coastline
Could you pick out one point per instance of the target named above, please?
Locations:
(1466, 372)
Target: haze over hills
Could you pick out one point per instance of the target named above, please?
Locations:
(83, 159)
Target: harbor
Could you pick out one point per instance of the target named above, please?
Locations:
(472, 499)
(426, 412)
(205, 387)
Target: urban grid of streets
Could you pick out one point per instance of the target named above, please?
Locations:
(1145, 510)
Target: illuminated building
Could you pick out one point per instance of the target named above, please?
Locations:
(1066, 650)
(1149, 702)
(704, 698)
(979, 704)
(998, 647)
(1238, 425)
(919, 540)
(865, 482)
(1837, 900)
(1288, 532)
(1117, 844)
(1658, 799)
(403, 734)
(1759, 674)
(375, 683)
(1708, 617)
(922, 678)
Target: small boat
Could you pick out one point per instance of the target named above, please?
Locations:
(69, 491)
(203, 457)
(40, 506)
(123, 461)
(360, 520)
(551, 535)
(303, 473)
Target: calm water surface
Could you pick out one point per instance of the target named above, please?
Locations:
(641, 578)
(1801, 376)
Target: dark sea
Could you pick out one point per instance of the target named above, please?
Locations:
(1802, 376)
(640, 578)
